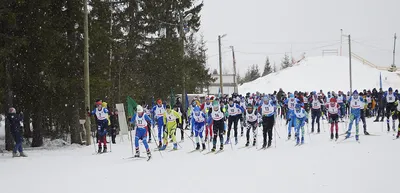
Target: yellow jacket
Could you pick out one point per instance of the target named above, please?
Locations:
(170, 118)
(104, 105)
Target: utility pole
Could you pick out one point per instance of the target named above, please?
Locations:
(234, 69)
(111, 52)
(351, 79)
(394, 54)
(220, 66)
(182, 38)
(341, 41)
(86, 71)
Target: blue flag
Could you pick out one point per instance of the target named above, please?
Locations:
(380, 80)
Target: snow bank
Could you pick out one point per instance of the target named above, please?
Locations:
(326, 73)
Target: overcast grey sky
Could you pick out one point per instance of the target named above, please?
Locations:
(261, 28)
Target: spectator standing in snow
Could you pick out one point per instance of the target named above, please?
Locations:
(15, 128)
(114, 125)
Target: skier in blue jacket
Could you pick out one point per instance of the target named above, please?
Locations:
(356, 103)
(140, 121)
(199, 121)
(290, 104)
(158, 112)
(101, 115)
(301, 118)
(233, 112)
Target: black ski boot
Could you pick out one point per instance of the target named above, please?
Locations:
(99, 149)
(159, 144)
(376, 120)
(137, 154)
(337, 136)
(204, 146)
(254, 143)
(214, 148)
(366, 132)
(312, 130)
(331, 136)
(247, 144)
(382, 119)
(221, 147)
(197, 146)
(269, 144)
(318, 131)
(105, 149)
(264, 145)
(289, 137)
(148, 153)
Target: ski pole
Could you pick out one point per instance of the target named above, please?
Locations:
(110, 144)
(275, 135)
(308, 131)
(188, 137)
(130, 137)
(152, 134)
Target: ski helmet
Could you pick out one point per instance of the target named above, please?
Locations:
(390, 89)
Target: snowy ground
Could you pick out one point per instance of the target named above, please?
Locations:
(319, 166)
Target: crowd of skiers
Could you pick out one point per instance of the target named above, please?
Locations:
(214, 118)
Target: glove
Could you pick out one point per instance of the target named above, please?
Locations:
(191, 134)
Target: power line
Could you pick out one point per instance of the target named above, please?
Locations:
(372, 46)
(281, 53)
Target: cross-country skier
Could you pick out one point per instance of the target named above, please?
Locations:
(316, 103)
(363, 113)
(190, 114)
(158, 112)
(356, 103)
(290, 104)
(101, 114)
(267, 110)
(252, 124)
(241, 119)
(333, 116)
(199, 121)
(179, 122)
(147, 111)
(341, 100)
(396, 114)
(205, 107)
(300, 117)
(233, 118)
(390, 99)
(140, 121)
(15, 129)
(169, 119)
(218, 119)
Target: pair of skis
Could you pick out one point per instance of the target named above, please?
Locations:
(140, 157)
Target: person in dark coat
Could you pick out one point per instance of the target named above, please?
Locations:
(380, 103)
(15, 128)
(114, 125)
